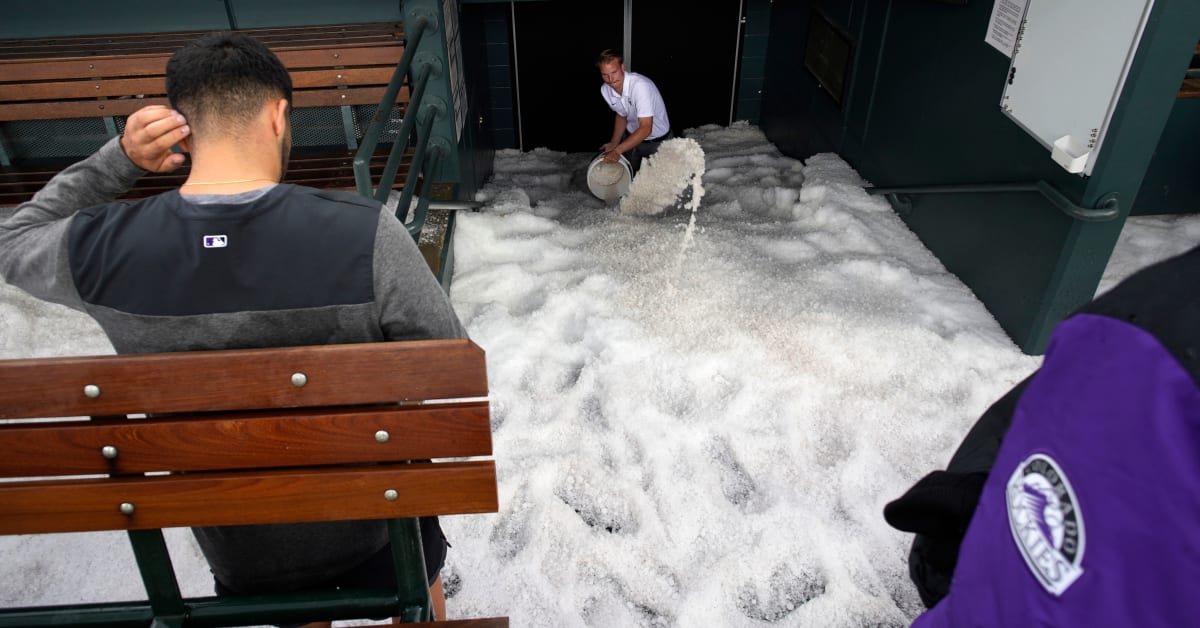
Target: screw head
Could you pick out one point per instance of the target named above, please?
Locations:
(91, 391)
(127, 508)
(299, 380)
(109, 452)
(382, 436)
(391, 495)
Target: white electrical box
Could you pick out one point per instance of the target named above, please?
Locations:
(1069, 65)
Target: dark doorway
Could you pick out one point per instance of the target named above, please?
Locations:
(690, 51)
(557, 44)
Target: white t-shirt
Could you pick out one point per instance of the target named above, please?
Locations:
(639, 98)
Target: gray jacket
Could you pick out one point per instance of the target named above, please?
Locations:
(288, 267)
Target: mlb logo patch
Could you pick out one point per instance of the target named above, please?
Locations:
(215, 241)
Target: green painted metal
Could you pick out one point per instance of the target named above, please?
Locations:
(922, 110)
(362, 174)
(439, 100)
(430, 114)
(212, 611)
(388, 178)
(1109, 207)
(158, 575)
(1171, 185)
(412, 587)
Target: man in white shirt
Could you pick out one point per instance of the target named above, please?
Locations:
(641, 122)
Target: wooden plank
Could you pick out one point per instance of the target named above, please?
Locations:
(140, 43)
(1190, 89)
(200, 381)
(245, 441)
(226, 498)
(114, 88)
(305, 168)
(97, 88)
(75, 109)
(141, 65)
(125, 106)
(121, 46)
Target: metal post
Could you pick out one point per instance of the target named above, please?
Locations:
(737, 61)
(516, 78)
(408, 559)
(401, 144)
(627, 47)
(158, 576)
(362, 158)
(419, 157)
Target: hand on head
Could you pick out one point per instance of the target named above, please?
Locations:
(150, 132)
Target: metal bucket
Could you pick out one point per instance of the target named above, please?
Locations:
(609, 182)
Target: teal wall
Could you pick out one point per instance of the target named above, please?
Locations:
(499, 109)
(752, 68)
(1172, 183)
(922, 108)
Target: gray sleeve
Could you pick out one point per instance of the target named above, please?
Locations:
(33, 241)
(412, 304)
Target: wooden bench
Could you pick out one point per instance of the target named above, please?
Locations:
(1191, 82)
(109, 77)
(248, 436)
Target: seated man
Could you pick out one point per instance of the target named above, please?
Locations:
(1075, 500)
(641, 123)
(233, 259)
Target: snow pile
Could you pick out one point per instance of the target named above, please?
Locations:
(665, 178)
(686, 433)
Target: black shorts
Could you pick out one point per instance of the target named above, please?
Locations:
(376, 571)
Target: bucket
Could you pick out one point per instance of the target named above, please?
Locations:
(609, 182)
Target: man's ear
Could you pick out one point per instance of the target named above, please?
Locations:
(280, 112)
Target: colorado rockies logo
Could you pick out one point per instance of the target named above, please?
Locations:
(1046, 523)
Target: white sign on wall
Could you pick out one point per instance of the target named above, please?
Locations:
(1069, 67)
(1005, 25)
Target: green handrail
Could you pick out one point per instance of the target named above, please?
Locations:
(362, 158)
(414, 107)
(413, 170)
(1107, 208)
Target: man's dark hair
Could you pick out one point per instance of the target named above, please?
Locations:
(225, 76)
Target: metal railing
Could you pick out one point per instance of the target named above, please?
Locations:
(1107, 208)
(417, 110)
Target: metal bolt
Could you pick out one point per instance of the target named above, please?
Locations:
(299, 380)
(382, 436)
(91, 391)
(109, 452)
(127, 508)
(339, 76)
(91, 66)
(391, 495)
(337, 55)
(343, 97)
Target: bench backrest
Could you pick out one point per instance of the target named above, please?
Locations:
(248, 437)
(83, 77)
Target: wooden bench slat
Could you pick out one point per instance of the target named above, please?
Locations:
(331, 170)
(298, 34)
(244, 498)
(242, 441)
(156, 86)
(246, 379)
(155, 64)
(170, 45)
(1190, 88)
